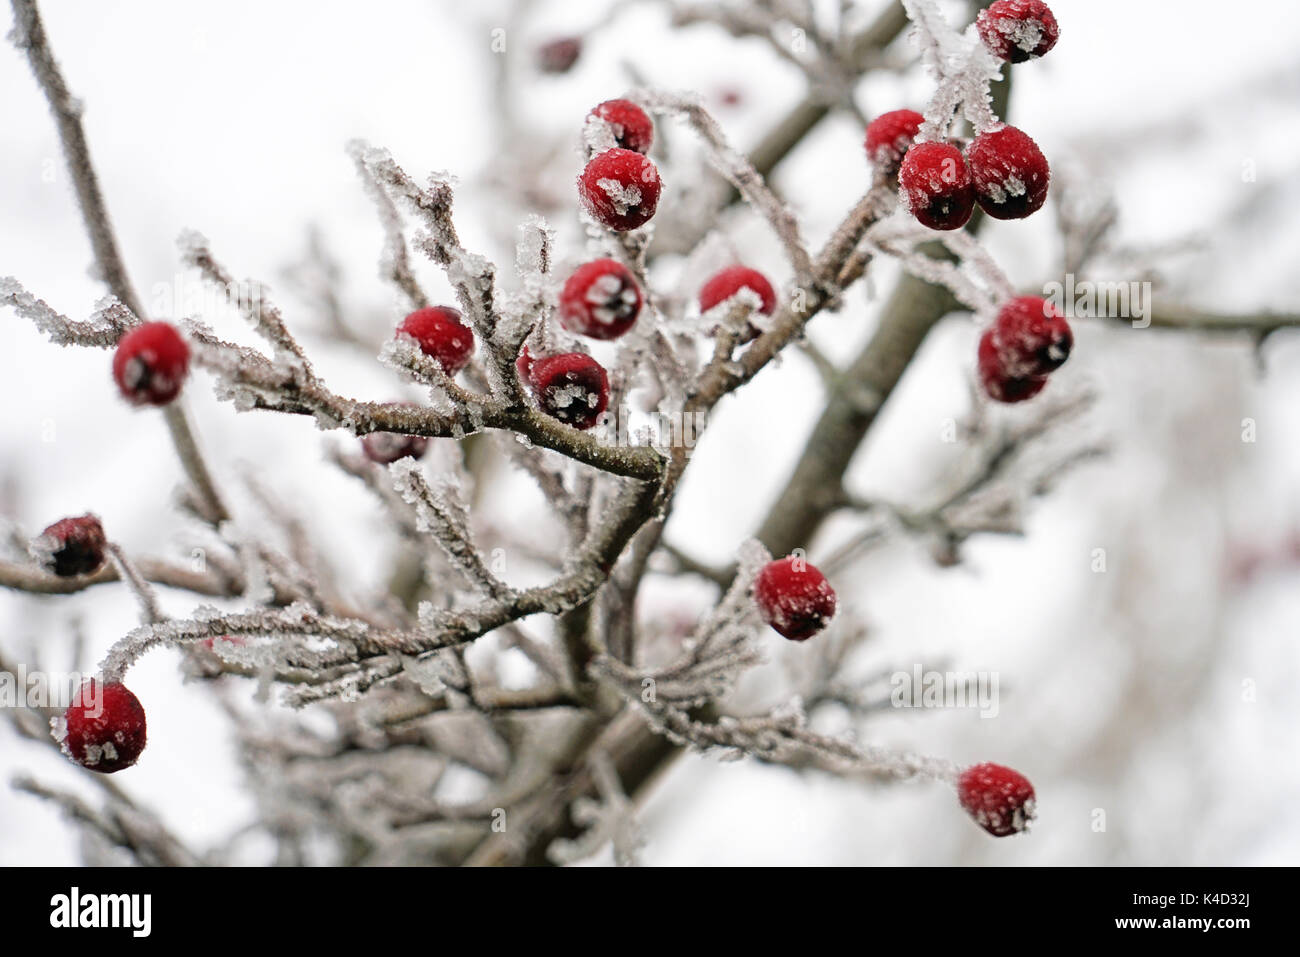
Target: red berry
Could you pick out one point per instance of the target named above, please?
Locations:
(235, 640)
(890, 135)
(441, 335)
(794, 598)
(999, 799)
(104, 727)
(1018, 30)
(997, 383)
(1031, 337)
(572, 387)
(1010, 173)
(730, 281)
(73, 546)
(559, 55)
(629, 123)
(387, 447)
(601, 300)
(936, 186)
(150, 364)
(620, 189)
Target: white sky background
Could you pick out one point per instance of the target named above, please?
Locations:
(1120, 691)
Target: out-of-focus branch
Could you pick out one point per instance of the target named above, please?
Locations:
(34, 579)
(29, 35)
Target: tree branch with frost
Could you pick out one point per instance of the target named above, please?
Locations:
(738, 171)
(29, 35)
(992, 487)
(249, 298)
(396, 263)
(143, 591)
(962, 67)
(611, 819)
(441, 514)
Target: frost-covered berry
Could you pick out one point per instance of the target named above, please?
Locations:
(150, 364)
(235, 640)
(794, 598)
(571, 387)
(998, 384)
(387, 447)
(1018, 30)
(1031, 337)
(890, 136)
(620, 188)
(999, 799)
(441, 335)
(72, 546)
(730, 281)
(629, 124)
(103, 729)
(559, 55)
(936, 185)
(601, 300)
(1010, 173)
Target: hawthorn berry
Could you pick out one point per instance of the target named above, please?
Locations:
(889, 137)
(730, 281)
(794, 598)
(1010, 173)
(385, 448)
(73, 546)
(998, 384)
(1031, 337)
(620, 188)
(236, 640)
(1018, 30)
(571, 387)
(104, 727)
(629, 123)
(601, 300)
(936, 185)
(999, 799)
(559, 55)
(151, 363)
(441, 335)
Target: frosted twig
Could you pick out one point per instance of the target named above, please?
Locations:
(122, 825)
(248, 297)
(396, 264)
(441, 513)
(102, 330)
(144, 593)
(739, 172)
(610, 819)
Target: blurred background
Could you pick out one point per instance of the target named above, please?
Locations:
(1159, 690)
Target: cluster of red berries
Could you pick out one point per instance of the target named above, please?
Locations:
(1028, 340)
(620, 187)
(794, 598)
(1000, 799)
(1002, 170)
